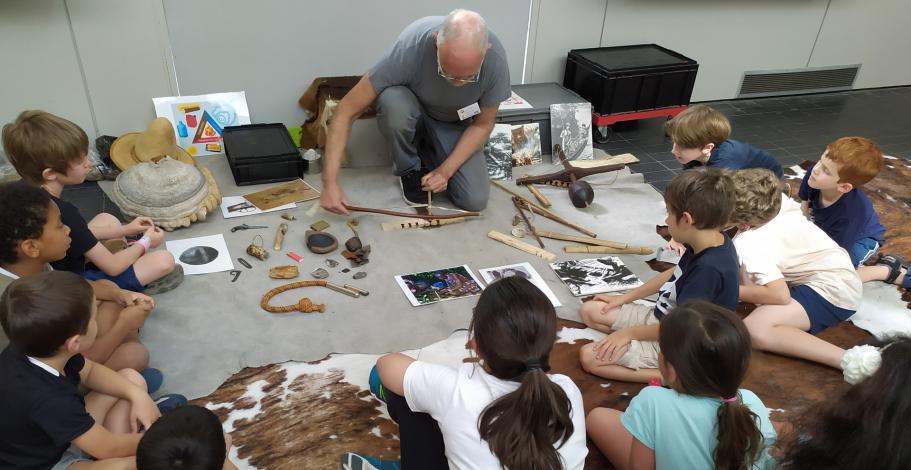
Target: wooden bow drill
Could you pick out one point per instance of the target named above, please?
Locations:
(413, 215)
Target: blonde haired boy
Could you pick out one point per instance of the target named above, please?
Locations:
(801, 281)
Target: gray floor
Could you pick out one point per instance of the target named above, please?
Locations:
(210, 328)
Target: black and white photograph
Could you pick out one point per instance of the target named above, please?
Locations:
(521, 269)
(526, 144)
(596, 275)
(571, 127)
(498, 151)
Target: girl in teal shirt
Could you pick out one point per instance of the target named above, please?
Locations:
(704, 420)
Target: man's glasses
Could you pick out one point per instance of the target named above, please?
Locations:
(471, 79)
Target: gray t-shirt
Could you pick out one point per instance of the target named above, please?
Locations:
(412, 62)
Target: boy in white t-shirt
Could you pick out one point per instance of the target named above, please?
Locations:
(801, 281)
(495, 413)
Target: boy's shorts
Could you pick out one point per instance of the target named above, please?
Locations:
(641, 354)
(862, 250)
(821, 312)
(125, 280)
(73, 455)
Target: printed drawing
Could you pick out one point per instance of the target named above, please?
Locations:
(441, 284)
(498, 152)
(526, 144)
(595, 275)
(199, 120)
(571, 127)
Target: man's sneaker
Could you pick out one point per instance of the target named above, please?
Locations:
(352, 461)
(169, 282)
(169, 402)
(411, 188)
(153, 377)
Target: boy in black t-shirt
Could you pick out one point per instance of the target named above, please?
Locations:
(32, 235)
(49, 318)
(188, 437)
(699, 204)
(51, 152)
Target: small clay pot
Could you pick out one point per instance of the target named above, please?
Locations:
(320, 242)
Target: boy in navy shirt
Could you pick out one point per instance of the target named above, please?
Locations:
(831, 197)
(700, 135)
(699, 204)
(46, 421)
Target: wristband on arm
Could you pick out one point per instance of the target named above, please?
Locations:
(145, 242)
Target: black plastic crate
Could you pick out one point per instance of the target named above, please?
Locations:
(626, 79)
(262, 153)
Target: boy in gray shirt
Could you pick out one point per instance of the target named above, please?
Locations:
(437, 92)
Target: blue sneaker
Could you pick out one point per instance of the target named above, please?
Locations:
(376, 386)
(169, 402)
(352, 461)
(154, 378)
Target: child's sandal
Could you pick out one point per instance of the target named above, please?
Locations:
(895, 264)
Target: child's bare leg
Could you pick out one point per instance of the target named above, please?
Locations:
(613, 371)
(130, 355)
(608, 433)
(153, 266)
(593, 317)
(783, 329)
(124, 463)
(878, 273)
(112, 412)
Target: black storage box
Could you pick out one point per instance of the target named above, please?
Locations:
(627, 79)
(540, 96)
(262, 153)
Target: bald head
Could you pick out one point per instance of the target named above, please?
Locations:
(462, 42)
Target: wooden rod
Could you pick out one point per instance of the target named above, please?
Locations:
(461, 214)
(418, 223)
(544, 212)
(636, 250)
(595, 241)
(531, 228)
(538, 195)
(520, 245)
(280, 236)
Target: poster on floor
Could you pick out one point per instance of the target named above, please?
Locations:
(526, 144)
(498, 152)
(429, 287)
(596, 275)
(571, 128)
(523, 270)
(237, 206)
(199, 120)
(201, 255)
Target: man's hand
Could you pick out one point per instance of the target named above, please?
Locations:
(137, 225)
(127, 298)
(611, 301)
(334, 199)
(612, 347)
(436, 181)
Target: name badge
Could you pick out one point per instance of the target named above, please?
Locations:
(469, 111)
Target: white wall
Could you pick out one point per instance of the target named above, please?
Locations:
(41, 70)
(730, 37)
(273, 50)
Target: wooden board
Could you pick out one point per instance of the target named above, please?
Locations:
(625, 158)
(285, 193)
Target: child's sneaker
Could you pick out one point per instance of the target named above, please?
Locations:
(376, 385)
(169, 282)
(352, 461)
(169, 402)
(153, 377)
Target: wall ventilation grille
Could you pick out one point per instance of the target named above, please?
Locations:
(798, 81)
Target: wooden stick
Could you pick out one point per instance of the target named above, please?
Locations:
(594, 241)
(461, 214)
(429, 202)
(520, 245)
(544, 212)
(538, 195)
(280, 236)
(636, 250)
(418, 223)
(531, 228)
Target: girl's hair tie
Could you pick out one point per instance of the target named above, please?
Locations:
(730, 400)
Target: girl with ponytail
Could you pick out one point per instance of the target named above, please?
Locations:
(703, 420)
(504, 411)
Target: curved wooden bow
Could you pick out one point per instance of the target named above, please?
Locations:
(413, 215)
